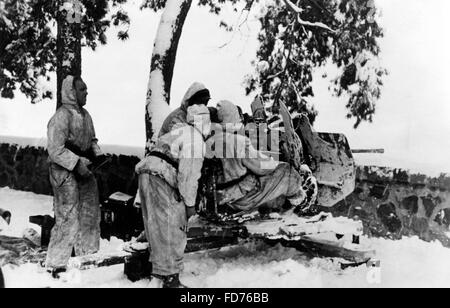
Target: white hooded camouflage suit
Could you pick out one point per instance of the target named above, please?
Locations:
(76, 202)
(166, 190)
(263, 181)
(179, 115)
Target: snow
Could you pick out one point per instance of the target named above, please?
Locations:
(262, 66)
(22, 205)
(367, 65)
(42, 87)
(166, 27)
(157, 105)
(406, 263)
(294, 226)
(3, 225)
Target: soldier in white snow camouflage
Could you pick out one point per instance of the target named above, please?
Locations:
(168, 185)
(250, 179)
(197, 94)
(72, 146)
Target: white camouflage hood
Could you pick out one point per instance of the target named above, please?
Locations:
(68, 91)
(193, 89)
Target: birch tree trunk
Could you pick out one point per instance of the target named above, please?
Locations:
(162, 66)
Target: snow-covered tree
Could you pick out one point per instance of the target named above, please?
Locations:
(164, 57)
(297, 37)
(40, 37)
(163, 63)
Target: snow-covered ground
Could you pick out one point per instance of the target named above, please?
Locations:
(406, 263)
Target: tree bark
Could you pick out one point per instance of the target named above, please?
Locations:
(68, 50)
(2, 281)
(59, 57)
(162, 67)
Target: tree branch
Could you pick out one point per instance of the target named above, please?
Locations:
(247, 8)
(274, 76)
(294, 8)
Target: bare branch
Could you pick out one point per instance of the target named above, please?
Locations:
(274, 76)
(237, 28)
(295, 89)
(293, 7)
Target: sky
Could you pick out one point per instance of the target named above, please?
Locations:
(412, 119)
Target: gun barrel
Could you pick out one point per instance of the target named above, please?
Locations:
(368, 151)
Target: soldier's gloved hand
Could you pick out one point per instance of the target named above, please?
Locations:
(190, 211)
(81, 169)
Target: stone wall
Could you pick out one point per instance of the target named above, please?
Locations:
(391, 203)
(26, 169)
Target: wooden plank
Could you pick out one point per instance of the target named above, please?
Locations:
(20, 251)
(98, 260)
(322, 248)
